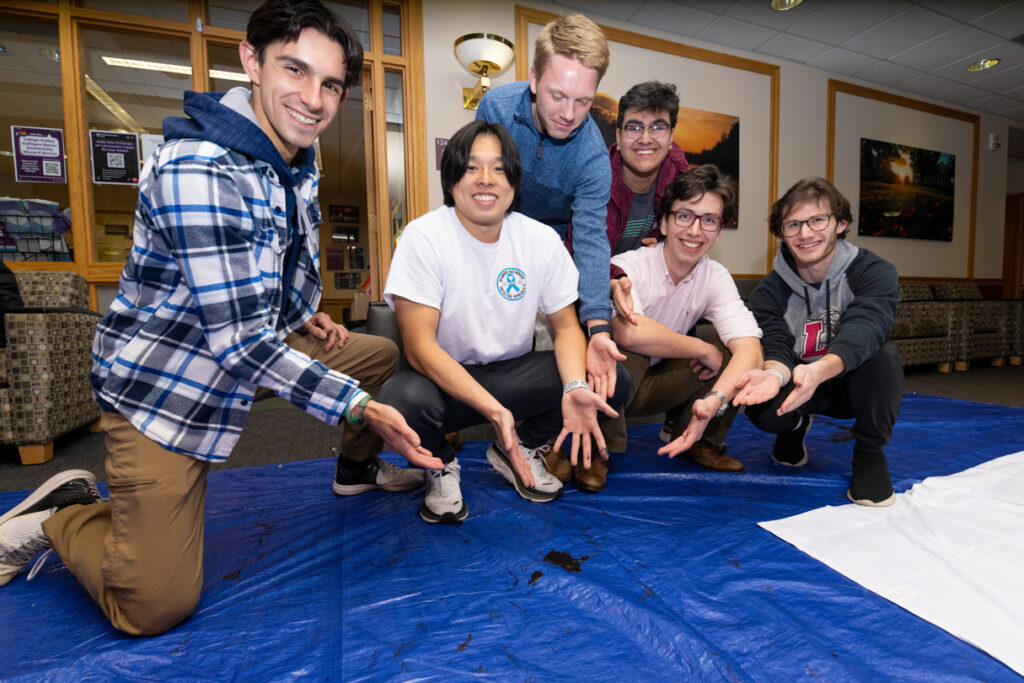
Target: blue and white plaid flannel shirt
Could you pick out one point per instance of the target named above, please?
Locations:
(195, 327)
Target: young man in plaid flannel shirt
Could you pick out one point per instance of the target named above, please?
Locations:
(217, 304)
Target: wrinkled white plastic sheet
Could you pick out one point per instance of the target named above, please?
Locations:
(950, 550)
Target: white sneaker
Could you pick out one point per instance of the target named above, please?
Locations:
(21, 528)
(443, 503)
(546, 486)
(21, 539)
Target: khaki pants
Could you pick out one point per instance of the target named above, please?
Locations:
(662, 387)
(140, 556)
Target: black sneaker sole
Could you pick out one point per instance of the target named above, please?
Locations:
(47, 487)
(356, 489)
(447, 518)
(872, 503)
(501, 463)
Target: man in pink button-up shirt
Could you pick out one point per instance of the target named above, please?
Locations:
(672, 286)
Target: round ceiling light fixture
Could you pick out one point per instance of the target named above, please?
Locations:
(783, 5)
(986, 63)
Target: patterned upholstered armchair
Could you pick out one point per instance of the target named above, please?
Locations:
(925, 329)
(44, 371)
(983, 323)
(1016, 330)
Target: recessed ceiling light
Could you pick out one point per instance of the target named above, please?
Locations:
(4, 50)
(50, 54)
(783, 5)
(986, 63)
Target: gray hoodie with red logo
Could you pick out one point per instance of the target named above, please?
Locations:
(849, 313)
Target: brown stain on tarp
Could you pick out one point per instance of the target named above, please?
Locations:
(462, 647)
(565, 560)
(536, 575)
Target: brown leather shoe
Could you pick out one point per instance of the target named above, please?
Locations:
(591, 480)
(454, 439)
(708, 455)
(558, 465)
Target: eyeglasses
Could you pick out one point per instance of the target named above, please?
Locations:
(815, 223)
(709, 222)
(635, 131)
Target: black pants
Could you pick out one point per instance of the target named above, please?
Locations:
(871, 394)
(529, 386)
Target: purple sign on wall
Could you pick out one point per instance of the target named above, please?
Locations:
(115, 157)
(38, 155)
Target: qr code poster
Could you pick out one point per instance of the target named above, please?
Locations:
(115, 157)
(38, 155)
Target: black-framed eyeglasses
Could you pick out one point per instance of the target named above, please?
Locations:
(816, 223)
(709, 222)
(634, 131)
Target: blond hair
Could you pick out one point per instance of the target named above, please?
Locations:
(573, 36)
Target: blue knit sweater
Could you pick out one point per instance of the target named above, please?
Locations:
(563, 180)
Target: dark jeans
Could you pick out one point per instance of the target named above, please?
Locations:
(871, 394)
(529, 386)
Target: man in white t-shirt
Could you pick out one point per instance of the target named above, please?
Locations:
(672, 286)
(466, 282)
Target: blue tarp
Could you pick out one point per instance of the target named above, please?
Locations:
(663, 576)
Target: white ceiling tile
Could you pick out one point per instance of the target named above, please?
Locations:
(926, 84)
(668, 17)
(964, 94)
(759, 12)
(842, 61)
(997, 104)
(903, 31)
(791, 47)
(966, 11)
(1001, 78)
(1015, 114)
(609, 8)
(1011, 54)
(887, 73)
(709, 6)
(945, 49)
(1016, 93)
(841, 20)
(735, 33)
(1007, 22)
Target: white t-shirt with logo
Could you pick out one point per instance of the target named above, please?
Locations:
(488, 294)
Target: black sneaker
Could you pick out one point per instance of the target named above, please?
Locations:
(870, 484)
(21, 530)
(379, 474)
(789, 448)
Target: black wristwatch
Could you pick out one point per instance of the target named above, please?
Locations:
(598, 329)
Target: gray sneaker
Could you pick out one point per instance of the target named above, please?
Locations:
(443, 503)
(21, 530)
(546, 486)
(379, 475)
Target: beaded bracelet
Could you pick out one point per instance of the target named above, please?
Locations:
(575, 384)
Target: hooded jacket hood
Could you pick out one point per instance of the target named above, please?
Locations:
(824, 302)
(227, 119)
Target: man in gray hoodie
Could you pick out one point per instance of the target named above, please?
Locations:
(826, 310)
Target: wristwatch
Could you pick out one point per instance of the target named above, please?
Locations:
(597, 329)
(725, 402)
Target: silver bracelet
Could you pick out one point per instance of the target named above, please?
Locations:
(782, 380)
(575, 384)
